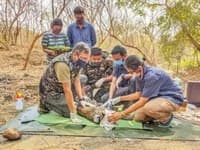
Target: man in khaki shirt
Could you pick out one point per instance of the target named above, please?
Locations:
(60, 82)
(62, 72)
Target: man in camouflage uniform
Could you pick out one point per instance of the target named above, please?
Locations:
(98, 72)
(61, 80)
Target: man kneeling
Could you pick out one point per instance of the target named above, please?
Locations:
(158, 95)
(61, 80)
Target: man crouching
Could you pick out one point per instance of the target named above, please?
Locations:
(157, 96)
(61, 80)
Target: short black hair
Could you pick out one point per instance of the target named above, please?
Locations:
(78, 10)
(95, 51)
(56, 21)
(133, 62)
(119, 50)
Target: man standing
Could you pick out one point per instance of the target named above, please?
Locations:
(61, 80)
(54, 38)
(81, 31)
(157, 95)
(98, 72)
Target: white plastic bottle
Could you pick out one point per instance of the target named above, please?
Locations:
(19, 101)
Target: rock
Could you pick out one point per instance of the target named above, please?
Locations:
(12, 134)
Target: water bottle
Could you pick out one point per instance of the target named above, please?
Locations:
(19, 101)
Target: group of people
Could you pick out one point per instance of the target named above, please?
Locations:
(147, 93)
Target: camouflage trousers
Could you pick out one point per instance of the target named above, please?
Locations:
(96, 93)
(53, 101)
(57, 104)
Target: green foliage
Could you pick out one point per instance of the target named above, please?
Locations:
(179, 25)
(188, 64)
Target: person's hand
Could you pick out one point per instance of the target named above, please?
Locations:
(50, 52)
(112, 102)
(114, 117)
(119, 80)
(99, 83)
(74, 118)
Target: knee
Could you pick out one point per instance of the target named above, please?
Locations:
(149, 110)
(139, 117)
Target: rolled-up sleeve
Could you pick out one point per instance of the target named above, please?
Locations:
(115, 72)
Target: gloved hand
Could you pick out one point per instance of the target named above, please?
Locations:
(100, 82)
(119, 80)
(111, 102)
(74, 118)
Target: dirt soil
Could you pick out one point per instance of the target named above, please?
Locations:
(13, 78)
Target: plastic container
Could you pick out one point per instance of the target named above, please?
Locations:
(19, 101)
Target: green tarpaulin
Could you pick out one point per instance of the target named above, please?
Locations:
(53, 124)
(53, 118)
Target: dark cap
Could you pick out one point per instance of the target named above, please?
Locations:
(78, 10)
(56, 21)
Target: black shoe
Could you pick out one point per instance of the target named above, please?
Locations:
(42, 109)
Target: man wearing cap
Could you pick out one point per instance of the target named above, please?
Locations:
(60, 82)
(54, 38)
(99, 74)
(157, 96)
(81, 30)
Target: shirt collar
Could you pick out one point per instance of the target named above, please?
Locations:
(84, 25)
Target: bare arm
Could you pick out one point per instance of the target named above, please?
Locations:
(78, 88)
(118, 115)
(69, 96)
(140, 103)
(112, 87)
(131, 97)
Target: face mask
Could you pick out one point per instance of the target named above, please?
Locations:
(118, 63)
(81, 63)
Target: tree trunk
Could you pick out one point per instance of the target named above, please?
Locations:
(31, 48)
(52, 7)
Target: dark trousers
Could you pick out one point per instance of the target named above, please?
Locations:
(121, 91)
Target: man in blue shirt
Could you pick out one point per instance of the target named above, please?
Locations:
(81, 31)
(156, 96)
(120, 76)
